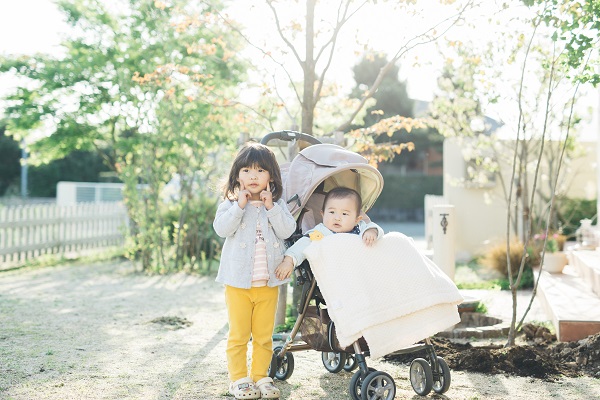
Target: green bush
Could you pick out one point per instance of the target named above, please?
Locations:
(199, 245)
(526, 280)
(290, 320)
(571, 211)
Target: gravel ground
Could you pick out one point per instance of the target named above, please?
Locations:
(87, 332)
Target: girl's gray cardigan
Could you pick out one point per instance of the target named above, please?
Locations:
(238, 227)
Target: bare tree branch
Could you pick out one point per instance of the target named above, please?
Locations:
(558, 167)
(282, 36)
(285, 107)
(411, 44)
(511, 332)
(332, 41)
(265, 53)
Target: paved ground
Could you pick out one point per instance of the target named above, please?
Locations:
(106, 332)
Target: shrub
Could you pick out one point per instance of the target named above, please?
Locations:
(526, 280)
(495, 258)
(196, 242)
(571, 211)
(290, 320)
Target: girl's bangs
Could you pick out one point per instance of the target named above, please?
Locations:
(258, 158)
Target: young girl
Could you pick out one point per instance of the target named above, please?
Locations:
(254, 222)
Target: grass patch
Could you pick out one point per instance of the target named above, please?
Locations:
(208, 268)
(53, 260)
(485, 285)
(473, 275)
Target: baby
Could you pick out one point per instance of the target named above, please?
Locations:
(341, 214)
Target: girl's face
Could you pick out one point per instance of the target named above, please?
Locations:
(254, 179)
(340, 215)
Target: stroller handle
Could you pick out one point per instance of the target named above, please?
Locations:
(288, 136)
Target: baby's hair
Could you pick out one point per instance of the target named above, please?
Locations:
(254, 154)
(343, 193)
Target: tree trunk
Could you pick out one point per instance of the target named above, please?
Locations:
(293, 149)
(308, 97)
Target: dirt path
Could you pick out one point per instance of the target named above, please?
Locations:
(85, 332)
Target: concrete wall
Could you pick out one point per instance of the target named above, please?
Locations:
(481, 212)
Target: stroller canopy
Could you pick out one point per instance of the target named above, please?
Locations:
(334, 166)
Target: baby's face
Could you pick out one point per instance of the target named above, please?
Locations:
(340, 215)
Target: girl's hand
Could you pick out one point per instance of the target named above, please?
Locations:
(243, 196)
(370, 236)
(267, 197)
(284, 270)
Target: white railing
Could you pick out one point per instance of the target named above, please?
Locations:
(30, 231)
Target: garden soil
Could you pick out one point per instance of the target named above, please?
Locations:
(107, 331)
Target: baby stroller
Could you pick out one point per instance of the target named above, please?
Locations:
(316, 170)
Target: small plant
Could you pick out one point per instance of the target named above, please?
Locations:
(551, 245)
(496, 259)
(481, 308)
(555, 242)
(546, 324)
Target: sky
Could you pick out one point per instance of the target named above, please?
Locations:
(17, 37)
(27, 26)
(30, 26)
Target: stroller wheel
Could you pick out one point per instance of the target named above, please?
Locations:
(355, 385)
(281, 367)
(333, 362)
(351, 363)
(421, 377)
(378, 385)
(441, 377)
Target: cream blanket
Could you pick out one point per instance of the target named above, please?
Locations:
(389, 293)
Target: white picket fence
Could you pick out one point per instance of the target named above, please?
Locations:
(29, 231)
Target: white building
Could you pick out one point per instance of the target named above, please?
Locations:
(481, 208)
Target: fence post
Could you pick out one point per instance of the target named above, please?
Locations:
(444, 231)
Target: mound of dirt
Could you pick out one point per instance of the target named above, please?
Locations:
(172, 323)
(539, 358)
(515, 360)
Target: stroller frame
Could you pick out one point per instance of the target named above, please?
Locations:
(426, 374)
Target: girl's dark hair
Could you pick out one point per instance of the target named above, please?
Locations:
(342, 193)
(250, 155)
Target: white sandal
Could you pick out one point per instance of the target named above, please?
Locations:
(244, 389)
(267, 388)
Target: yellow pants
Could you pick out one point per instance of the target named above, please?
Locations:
(251, 314)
